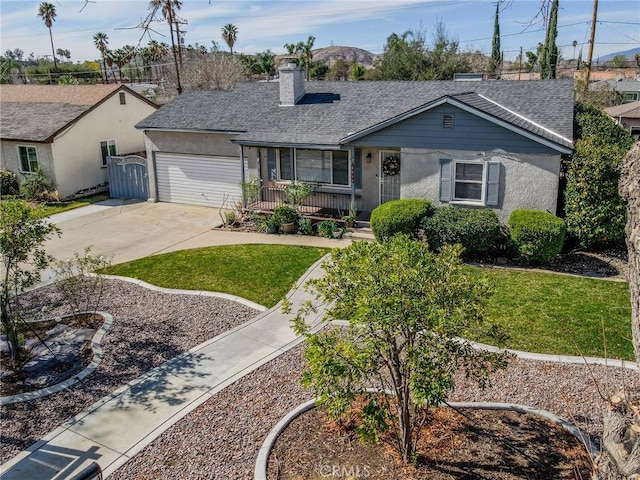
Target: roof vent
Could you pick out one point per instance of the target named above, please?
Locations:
(447, 120)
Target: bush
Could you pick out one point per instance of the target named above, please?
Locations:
(305, 227)
(399, 216)
(8, 183)
(37, 187)
(536, 236)
(285, 214)
(477, 230)
(594, 212)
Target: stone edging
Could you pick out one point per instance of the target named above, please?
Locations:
(542, 357)
(96, 347)
(204, 293)
(260, 471)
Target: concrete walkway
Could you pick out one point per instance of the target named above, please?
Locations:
(114, 429)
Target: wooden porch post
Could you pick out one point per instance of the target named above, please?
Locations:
(352, 172)
(242, 173)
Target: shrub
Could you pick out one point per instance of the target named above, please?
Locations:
(594, 212)
(477, 230)
(285, 214)
(399, 216)
(8, 183)
(37, 187)
(536, 236)
(305, 227)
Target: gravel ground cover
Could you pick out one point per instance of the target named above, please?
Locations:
(221, 438)
(149, 328)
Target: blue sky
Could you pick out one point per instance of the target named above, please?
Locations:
(366, 24)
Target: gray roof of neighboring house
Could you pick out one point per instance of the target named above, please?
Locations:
(618, 85)
(36, 122)
(331, 111)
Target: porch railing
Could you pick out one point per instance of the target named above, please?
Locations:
(330, 204)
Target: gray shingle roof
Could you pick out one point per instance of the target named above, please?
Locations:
(331, 111)
(36, 122)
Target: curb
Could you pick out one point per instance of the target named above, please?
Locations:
(542, 357)
(260, 471)
(175, 291)
(96, 347)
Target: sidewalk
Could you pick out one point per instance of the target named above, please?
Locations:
(118, 426)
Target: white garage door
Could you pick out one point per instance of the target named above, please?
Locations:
(198, 180)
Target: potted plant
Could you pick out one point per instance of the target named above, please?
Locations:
(350, 219)
(288, 217)
(272, 224)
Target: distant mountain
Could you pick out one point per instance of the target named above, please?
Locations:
(331, 54)
(629, 54)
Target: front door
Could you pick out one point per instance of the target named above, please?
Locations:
(389, 175)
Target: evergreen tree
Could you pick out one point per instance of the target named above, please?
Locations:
(495, 62)
(549, 57)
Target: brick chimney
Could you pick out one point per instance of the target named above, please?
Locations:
(291, 84)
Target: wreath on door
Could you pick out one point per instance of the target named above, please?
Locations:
(391, 166)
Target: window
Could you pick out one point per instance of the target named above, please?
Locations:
(470, 181)
(28, 159)
(107, 148)
(630, 97)
(316, 166)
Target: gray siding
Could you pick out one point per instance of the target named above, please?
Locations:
(469, 132)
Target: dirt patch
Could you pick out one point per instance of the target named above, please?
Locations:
(473, 444)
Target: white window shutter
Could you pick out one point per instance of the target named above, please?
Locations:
(446, 179)
(493, 183)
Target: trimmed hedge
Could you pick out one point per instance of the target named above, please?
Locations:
(477, 230)
(8, 183)
(536, 236)
(399, 216)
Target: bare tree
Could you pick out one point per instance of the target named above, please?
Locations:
(620, 459)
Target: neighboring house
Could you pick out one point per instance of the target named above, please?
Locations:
(627, 116)
(67, 131)
(629, 89)
(492, 143)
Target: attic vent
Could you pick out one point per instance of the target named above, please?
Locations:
(123, 99)
(447, 121)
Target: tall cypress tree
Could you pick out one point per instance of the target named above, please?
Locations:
(549, 60)
(495, 62)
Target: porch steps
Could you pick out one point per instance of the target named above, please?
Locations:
(361, 232)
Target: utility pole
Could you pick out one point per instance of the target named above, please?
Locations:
(591, 42)
(520, 65)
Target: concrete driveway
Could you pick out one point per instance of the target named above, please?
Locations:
(127, 230)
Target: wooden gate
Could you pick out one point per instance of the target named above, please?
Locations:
(128, 177)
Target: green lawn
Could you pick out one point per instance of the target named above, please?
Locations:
(52, 209)
(560, 314)
(541, 312)
(261, 273)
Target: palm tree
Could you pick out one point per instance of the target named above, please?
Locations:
(230, 35)
(100, 40)
(168, 9)
(307, 53)
(292, 48)
(47, 12)
(265, 63)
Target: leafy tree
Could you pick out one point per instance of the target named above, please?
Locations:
(265, 64)
(406, 307)
(358, 71)
(63, 53)
(403, 57)
(101, 40)
(532, 61)
(619, 61)
(230, 35)
(318, 70)
(495, 62)
(47, 11)
(6, 66)
(444, 59)
(549, 56)
(594, 211)
(22, 236)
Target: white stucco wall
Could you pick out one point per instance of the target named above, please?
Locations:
(10, 160)
(78, 159)
(193, 144)
(526, 181)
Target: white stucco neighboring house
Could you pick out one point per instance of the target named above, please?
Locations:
(627, 116)
(493, 144)
(67, 131)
